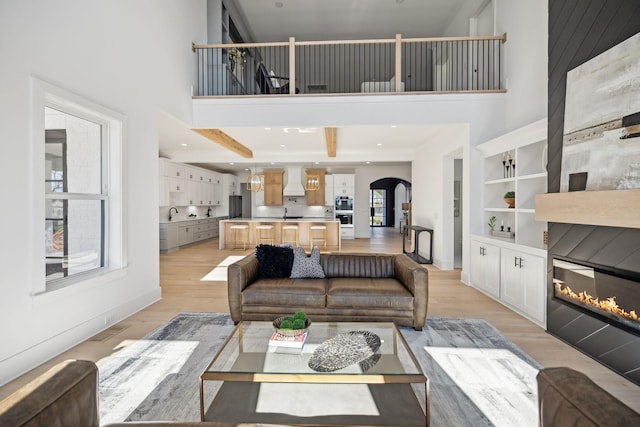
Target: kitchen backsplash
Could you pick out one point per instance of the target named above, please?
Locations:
(293, 209)
(184, 212)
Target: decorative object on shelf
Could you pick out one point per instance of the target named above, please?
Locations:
(504, 234)
(236, 56)
(509, 165)
(510, 198)
(294, 325)
(255, 182)
(346, 349)
(491, 223)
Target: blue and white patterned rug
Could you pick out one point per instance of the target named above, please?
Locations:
(477, 377)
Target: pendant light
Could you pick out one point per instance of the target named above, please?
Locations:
(255, 182)
(312, 182)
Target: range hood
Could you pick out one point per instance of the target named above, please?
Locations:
(293, 187)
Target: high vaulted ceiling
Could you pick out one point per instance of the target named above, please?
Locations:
(277, 20)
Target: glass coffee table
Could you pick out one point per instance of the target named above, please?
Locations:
(252, 383)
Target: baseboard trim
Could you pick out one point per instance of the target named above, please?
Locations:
(20, 363)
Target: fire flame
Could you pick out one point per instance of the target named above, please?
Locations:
(608, 304)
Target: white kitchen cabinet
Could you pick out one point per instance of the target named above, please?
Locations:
(522, 275)
(485, 267)
(344, 184)
(185, 234)
(329, 198)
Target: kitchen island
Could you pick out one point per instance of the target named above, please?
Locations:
(333, 231)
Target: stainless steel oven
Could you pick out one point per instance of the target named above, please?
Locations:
(344, 203)
(345, 218)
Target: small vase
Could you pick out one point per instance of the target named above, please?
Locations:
(510, 201)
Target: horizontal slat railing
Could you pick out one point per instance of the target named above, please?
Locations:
(451, 64)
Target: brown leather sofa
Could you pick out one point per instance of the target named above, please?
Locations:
(357, 287)
(569, 398)
(67, 395)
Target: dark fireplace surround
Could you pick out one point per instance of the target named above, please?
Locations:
(610, 337)
(609, 294)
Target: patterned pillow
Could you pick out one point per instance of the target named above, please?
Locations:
(274, 261)
(307, 267)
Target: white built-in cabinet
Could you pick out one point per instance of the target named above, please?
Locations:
(329, 199)
(344, 184)
(184, 185)
(512, 268)
(485, 267)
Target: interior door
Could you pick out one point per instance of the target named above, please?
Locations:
(378, 205)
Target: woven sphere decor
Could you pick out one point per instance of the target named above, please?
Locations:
(290, 332)
(346, 349)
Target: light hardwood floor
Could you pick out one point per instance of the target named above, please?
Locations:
(183, 291)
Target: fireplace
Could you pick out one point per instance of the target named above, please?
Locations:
(610, 294)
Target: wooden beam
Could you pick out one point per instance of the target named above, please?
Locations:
(217, 136)
(611, 208)
(331, 135)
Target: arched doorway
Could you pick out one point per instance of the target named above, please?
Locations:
(386, 196)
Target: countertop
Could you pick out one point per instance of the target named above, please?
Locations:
(281, 219)
(175, 221)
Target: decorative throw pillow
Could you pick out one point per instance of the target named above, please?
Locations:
(274, 261)
(307, 267)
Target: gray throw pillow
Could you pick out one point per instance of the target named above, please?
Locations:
(307, 267)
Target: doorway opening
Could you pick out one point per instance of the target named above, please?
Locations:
(386, 198)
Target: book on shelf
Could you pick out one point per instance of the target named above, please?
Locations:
(286, 341)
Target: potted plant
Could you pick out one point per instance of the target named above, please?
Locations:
(491, 223)
(510, 198)
(236, 55)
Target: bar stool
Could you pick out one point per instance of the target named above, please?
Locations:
(243, 229)
(318, 233)
(288, 230)
(265, 233)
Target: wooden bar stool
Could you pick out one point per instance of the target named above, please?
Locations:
(243, 229)
(265, 233)
(289, 230)
(318, 233)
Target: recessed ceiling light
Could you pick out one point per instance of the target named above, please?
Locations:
(367, 162)
(393, 126)
(379, 144)
(247, 169)
(273, 163)
(267, 128)
(231, 163)
(183, 144)
(282, 145)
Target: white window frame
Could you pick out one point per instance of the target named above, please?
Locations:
(113, 134)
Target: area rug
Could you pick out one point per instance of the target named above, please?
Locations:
(477, 377)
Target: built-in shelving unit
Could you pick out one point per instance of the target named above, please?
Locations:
(527, 179)
(512, 268)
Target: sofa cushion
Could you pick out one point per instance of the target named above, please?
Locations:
(358, 265)
(274, 261)
(368, 293)
(286, 292)
(307, 267)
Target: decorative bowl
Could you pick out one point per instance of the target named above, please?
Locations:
(290, 332)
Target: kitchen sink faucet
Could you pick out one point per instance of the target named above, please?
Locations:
(172, 208)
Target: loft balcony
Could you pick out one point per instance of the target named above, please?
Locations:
(312, 68)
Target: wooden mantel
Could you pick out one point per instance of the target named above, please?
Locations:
(611, 208)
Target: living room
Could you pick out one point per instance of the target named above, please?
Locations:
(79, 57)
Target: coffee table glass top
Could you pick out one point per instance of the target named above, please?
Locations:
(246, 356)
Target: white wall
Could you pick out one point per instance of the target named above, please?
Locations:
(432, 202)
(133, 58)
(526, 25)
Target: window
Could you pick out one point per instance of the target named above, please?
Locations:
(75, 199)
(78, 151)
